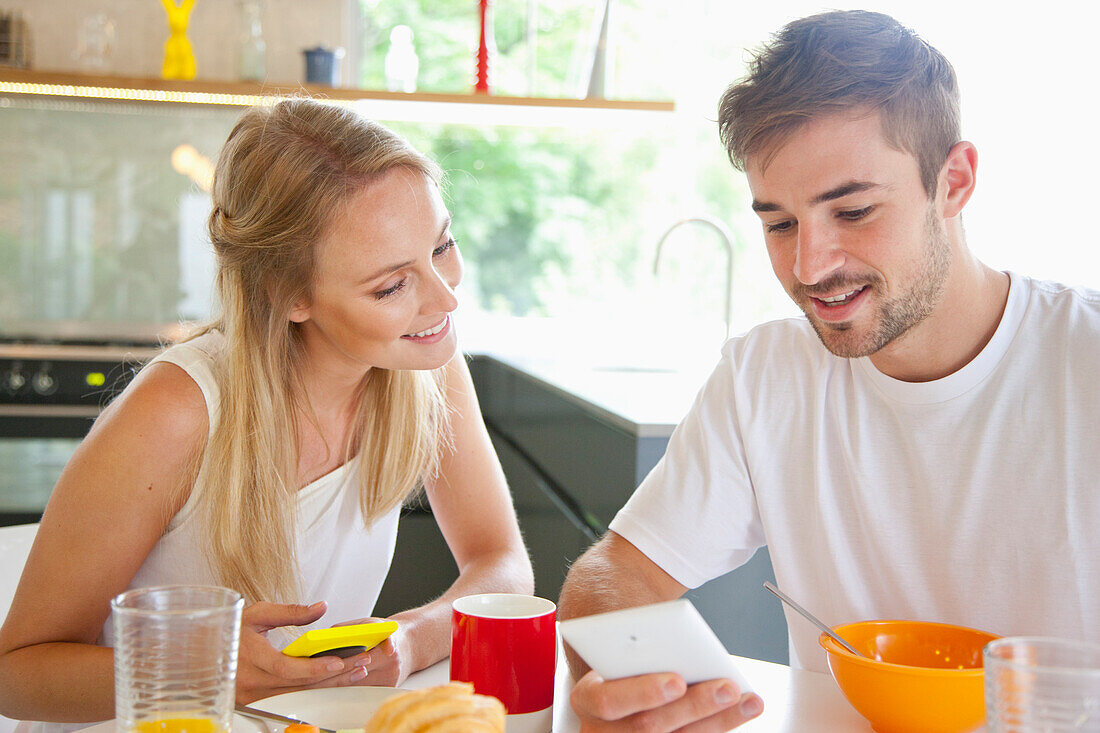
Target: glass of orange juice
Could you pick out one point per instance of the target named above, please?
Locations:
(175, 658)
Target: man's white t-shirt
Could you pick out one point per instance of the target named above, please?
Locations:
(972, 499)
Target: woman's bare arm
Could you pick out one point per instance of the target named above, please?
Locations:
(472, 505)
(115, 497)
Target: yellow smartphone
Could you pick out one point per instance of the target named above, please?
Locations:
(340, 641)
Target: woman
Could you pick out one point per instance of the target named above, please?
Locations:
(272, 451)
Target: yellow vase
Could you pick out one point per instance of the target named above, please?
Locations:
(179, 61)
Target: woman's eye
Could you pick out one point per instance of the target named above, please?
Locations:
(778, 227)
(390, 290)
(856, 214)
(443, 248)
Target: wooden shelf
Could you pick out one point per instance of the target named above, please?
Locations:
(62, 84)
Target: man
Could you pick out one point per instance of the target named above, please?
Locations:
(922, 445)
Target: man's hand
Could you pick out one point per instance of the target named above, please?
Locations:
(263, 670)
(661, 703)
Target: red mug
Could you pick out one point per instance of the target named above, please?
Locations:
(506, 645)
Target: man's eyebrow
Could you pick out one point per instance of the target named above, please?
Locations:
(845, 189)
(394, 268)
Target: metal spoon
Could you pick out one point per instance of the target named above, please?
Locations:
(811, 618)
(264, 715)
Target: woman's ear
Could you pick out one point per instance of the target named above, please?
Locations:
(300, 312)
(957, 178)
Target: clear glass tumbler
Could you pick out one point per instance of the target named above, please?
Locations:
(1042, 685)
(176, 658)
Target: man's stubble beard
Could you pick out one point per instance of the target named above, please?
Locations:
(895, 316)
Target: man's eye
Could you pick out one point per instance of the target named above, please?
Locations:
(779, 226)
(855, 214)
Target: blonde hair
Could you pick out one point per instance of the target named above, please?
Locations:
(282, 172)
(840, 61)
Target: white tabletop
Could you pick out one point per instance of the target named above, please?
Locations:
(794, 699)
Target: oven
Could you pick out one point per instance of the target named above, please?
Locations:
(52, 387)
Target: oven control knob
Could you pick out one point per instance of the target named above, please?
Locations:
(14, 381)
(44, 383)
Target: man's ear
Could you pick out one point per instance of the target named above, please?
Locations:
(957, 178)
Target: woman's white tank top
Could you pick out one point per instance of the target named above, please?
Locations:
(340, 560)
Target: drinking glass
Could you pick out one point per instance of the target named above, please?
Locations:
(175, 658)
(1042, 684)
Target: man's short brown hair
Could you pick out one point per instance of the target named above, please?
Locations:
(838, 62)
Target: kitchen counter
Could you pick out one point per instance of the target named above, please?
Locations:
(647, 402)
(617, 378)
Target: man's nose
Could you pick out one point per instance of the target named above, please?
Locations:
(818, 254)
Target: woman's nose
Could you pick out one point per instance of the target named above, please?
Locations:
(442, 294)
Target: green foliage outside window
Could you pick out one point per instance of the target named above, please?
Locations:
(547, 217)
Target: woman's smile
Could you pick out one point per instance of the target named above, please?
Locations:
(429, 335)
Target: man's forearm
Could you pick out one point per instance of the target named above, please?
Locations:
(612, 574)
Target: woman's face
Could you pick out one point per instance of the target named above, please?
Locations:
(383, 289)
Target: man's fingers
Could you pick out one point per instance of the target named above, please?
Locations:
(748, 708)
(701, 702)
(593, 697)
(661, 702)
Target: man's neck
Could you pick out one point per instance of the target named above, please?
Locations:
(957, 330)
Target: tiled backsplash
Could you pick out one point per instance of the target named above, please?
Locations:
(96, 224)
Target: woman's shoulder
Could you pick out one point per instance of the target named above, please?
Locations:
(202, 352)
(164, 402)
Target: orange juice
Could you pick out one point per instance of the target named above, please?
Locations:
(177, 725)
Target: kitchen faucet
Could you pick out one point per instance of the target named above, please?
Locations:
(727, 239)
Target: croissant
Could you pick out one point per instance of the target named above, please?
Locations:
(450, 708)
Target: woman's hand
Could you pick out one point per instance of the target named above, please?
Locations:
(263, 670)
(388, 663)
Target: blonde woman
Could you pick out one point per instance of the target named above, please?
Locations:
(272, 451)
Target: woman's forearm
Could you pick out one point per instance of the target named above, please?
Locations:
(58, 682)
(429, 626)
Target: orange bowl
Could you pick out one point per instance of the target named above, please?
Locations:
(920, 677)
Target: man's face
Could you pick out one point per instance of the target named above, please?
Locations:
(851, 232)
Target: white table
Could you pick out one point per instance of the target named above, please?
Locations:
(795, 700)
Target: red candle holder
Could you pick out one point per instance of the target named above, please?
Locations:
(486, 48)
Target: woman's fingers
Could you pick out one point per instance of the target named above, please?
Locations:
(264, 616)
(386, 665)
(263, 671)
(349, 677)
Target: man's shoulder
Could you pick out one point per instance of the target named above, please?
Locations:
(1053, 292)
(1051, 303)
(788, 338)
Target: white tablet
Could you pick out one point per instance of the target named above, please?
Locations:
(662, 637)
